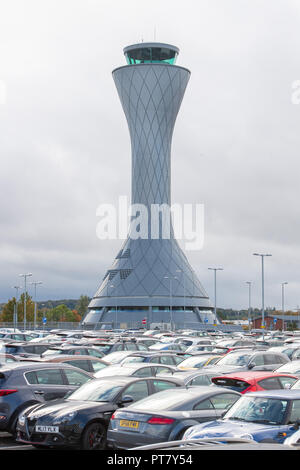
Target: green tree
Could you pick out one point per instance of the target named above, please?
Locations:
(82, 305)
(62, 313)
(7, 314)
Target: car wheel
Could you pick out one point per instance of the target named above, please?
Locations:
(94, 437)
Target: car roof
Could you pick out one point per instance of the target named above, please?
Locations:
(124, 379)
(285, 394)
(256, 374)
(62, 357)
(8, 367)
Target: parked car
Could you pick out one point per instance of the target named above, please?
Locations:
(5, 358)
(110, 347)
(292, 367)
(262, 416)
(200, 360)
(190, 377)
(136, 369)
(88, 363)
(160, 357)
(81, 420)
(248, 359)
(15, 337)
(253, 381)
(166, 415)
(25, 349)
(23, 384)
(74, 350)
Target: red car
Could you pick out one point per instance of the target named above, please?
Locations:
(252, 381)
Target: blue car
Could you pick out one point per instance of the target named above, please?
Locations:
(265, 416)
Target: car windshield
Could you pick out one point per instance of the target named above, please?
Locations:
(133, 359)
(51, 352)
(258, 410)
(161, 401)
(296, 385)
(194, 362)
(292, 367)
(105, 348)
(113, 371)
(234, 359)
(96, 391)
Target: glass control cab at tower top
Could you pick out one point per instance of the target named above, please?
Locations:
(151, 53)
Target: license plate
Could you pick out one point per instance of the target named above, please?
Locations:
(50, 429)
(124, 423)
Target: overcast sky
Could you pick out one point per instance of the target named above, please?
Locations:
(65, 148)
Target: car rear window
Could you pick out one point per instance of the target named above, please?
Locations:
(234, 384)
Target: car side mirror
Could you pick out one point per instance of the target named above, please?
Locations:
(125, 400)
(251, 365)
(287, 386)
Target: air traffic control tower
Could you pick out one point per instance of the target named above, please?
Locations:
(150, 279)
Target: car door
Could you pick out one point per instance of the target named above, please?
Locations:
(46, 384)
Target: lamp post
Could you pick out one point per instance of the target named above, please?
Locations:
(282, 302)
(180, 271)
(262, 289)
(25, 295)
(215, 282)
(16, 307)
(171, 309)
(36, 283)
(116, 318)
(249, 309)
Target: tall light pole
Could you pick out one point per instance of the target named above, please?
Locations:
(116, 318)
(171, 307)
(249, 309)
(16, 307)
(215, 281)
(262, 289)
(180, 271)
(25, 295)
(36, 283)
(282, 302)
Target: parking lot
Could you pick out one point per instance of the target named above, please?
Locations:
(148, 389)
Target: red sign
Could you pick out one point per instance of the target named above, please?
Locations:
(144, 321)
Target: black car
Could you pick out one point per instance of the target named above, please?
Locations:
(81, 420)
(24, 384)
(166, 415)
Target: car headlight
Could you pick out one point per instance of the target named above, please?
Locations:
(65, 418)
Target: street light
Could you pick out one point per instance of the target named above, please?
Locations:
(282, 301)
(16, 307)
(112, 286)
(249, 310)
(215, 278)
(262, 289)
(180, 271)
(36, 283)
(25, 294)
(171, 309)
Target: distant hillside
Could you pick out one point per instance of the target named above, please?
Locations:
(70, 303)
